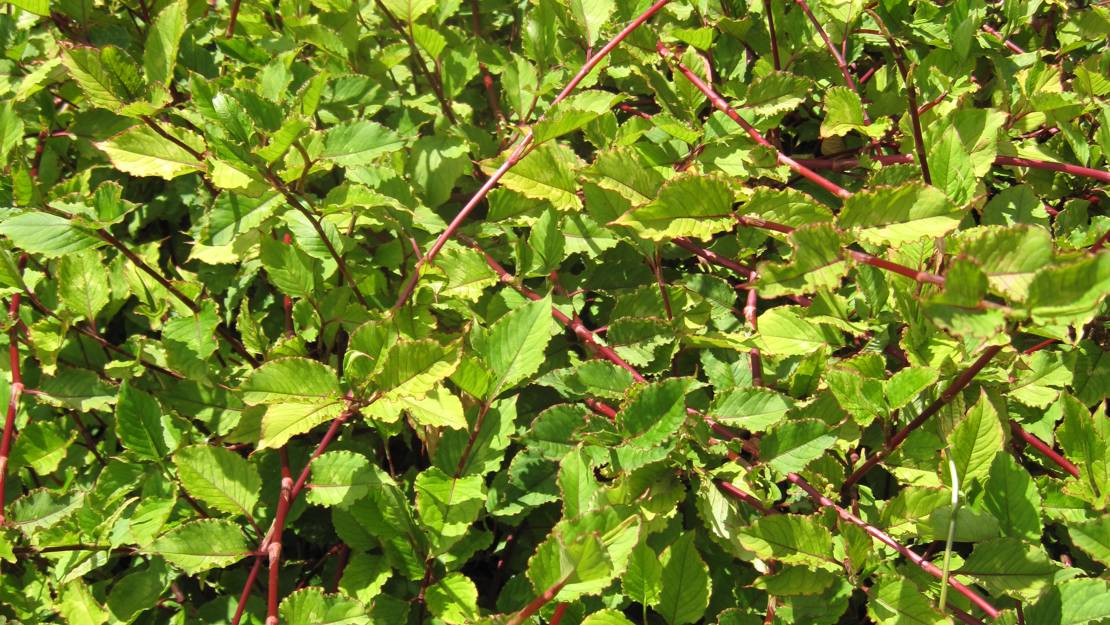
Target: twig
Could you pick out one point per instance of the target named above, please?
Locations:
(189, 303)
(1006, 161)
(232, 18)
(1044, 448)
(487, 78)
(775, 60)
(273, 551)
(911, 95)
(948, 395)
(518, 153)
(884, 538)
(536, 604)
(340, 263)
(352, 408)
(15, 390)
(1013, 47)
(724, 107)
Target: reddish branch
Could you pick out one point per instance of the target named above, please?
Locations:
(885, 538)
(1006, 161)
(837, 56)
(775, 60)
(536, 604)
(14, 393)
(1044, 448)
(517, 154)
(1013, 47)
(189, 302)
(487, 78)
(723, 106)
(948, 395)
(911, 94)
(273, 551)
(274, 533)
(340, 263)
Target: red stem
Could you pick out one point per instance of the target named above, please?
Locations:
(948, 395)
(582, 332)
(884, 538)
(775, 60)
(724, 107)
(837, 56)
(273, 551)
(536, 604)
(1015, 48)
(232, 19)
(517, 154)
(754, 356)
(1007, 161)
(557, 616)
(1044, 448)
(14, 393)
(294, 490)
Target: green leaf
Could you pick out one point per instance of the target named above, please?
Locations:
(576, 483)
(288, 379)
(162, 43)
(606, 617)
(358, 143)
(816, 264)
(78, 606)
(792, 445)
(844, 113)
(108, 78)
(789, 207)
(684, 595)
(414, 368)
(289, 268)
(573, 565)
(436, 165)
(1011, 496)
(546, 173)
(574, 113)
(408, 10)
(202, 545)
(448, 505)
(591, 15)
(642, 582)
(976, 440)
(454, 599)
(340, 478)
(1009, 256)
(313, 606)
(1072, 602)
(950, 167)
(516, 344)
(1070, 293)
(82, 284)
(140, 151)
(783, 332)
(655, 412)
(753, 408)
(219, 477)
(282, 421)
(900, 602)
(1006, 566)
(47, 234)
(689, 205)
(1084, 438)
(776, 92)
(142, 425)
(791, 539)
(1093, 536)
(898, 215)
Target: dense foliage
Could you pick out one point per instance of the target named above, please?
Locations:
(333, 312)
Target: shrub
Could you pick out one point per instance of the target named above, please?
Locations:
(595, 311)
